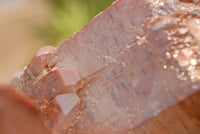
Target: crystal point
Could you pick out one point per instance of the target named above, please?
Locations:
(131, 63)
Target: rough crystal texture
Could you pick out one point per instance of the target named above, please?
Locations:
(136, 59)
(57, 81)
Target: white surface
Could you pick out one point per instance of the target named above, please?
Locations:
(67, 101)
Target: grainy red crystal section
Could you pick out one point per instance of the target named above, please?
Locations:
(131, 62)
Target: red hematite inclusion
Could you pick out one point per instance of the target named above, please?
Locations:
(57, 81)
(54, 91)
(132, 67)
(56, 95)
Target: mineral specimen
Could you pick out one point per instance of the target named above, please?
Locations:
(130, 63)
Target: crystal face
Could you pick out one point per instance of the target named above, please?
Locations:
(67, 101)
(44, 51)
(129, 64)
(69, 77)
(65, 110)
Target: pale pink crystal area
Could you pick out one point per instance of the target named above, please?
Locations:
(63, 111)
(65, 107)
(44, 51)
(70, 77)
(134, 60)
(67, 101)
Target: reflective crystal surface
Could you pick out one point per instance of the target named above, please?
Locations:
(130, 63)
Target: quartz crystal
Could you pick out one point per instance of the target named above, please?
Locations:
(63, 112)
(131, 62)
